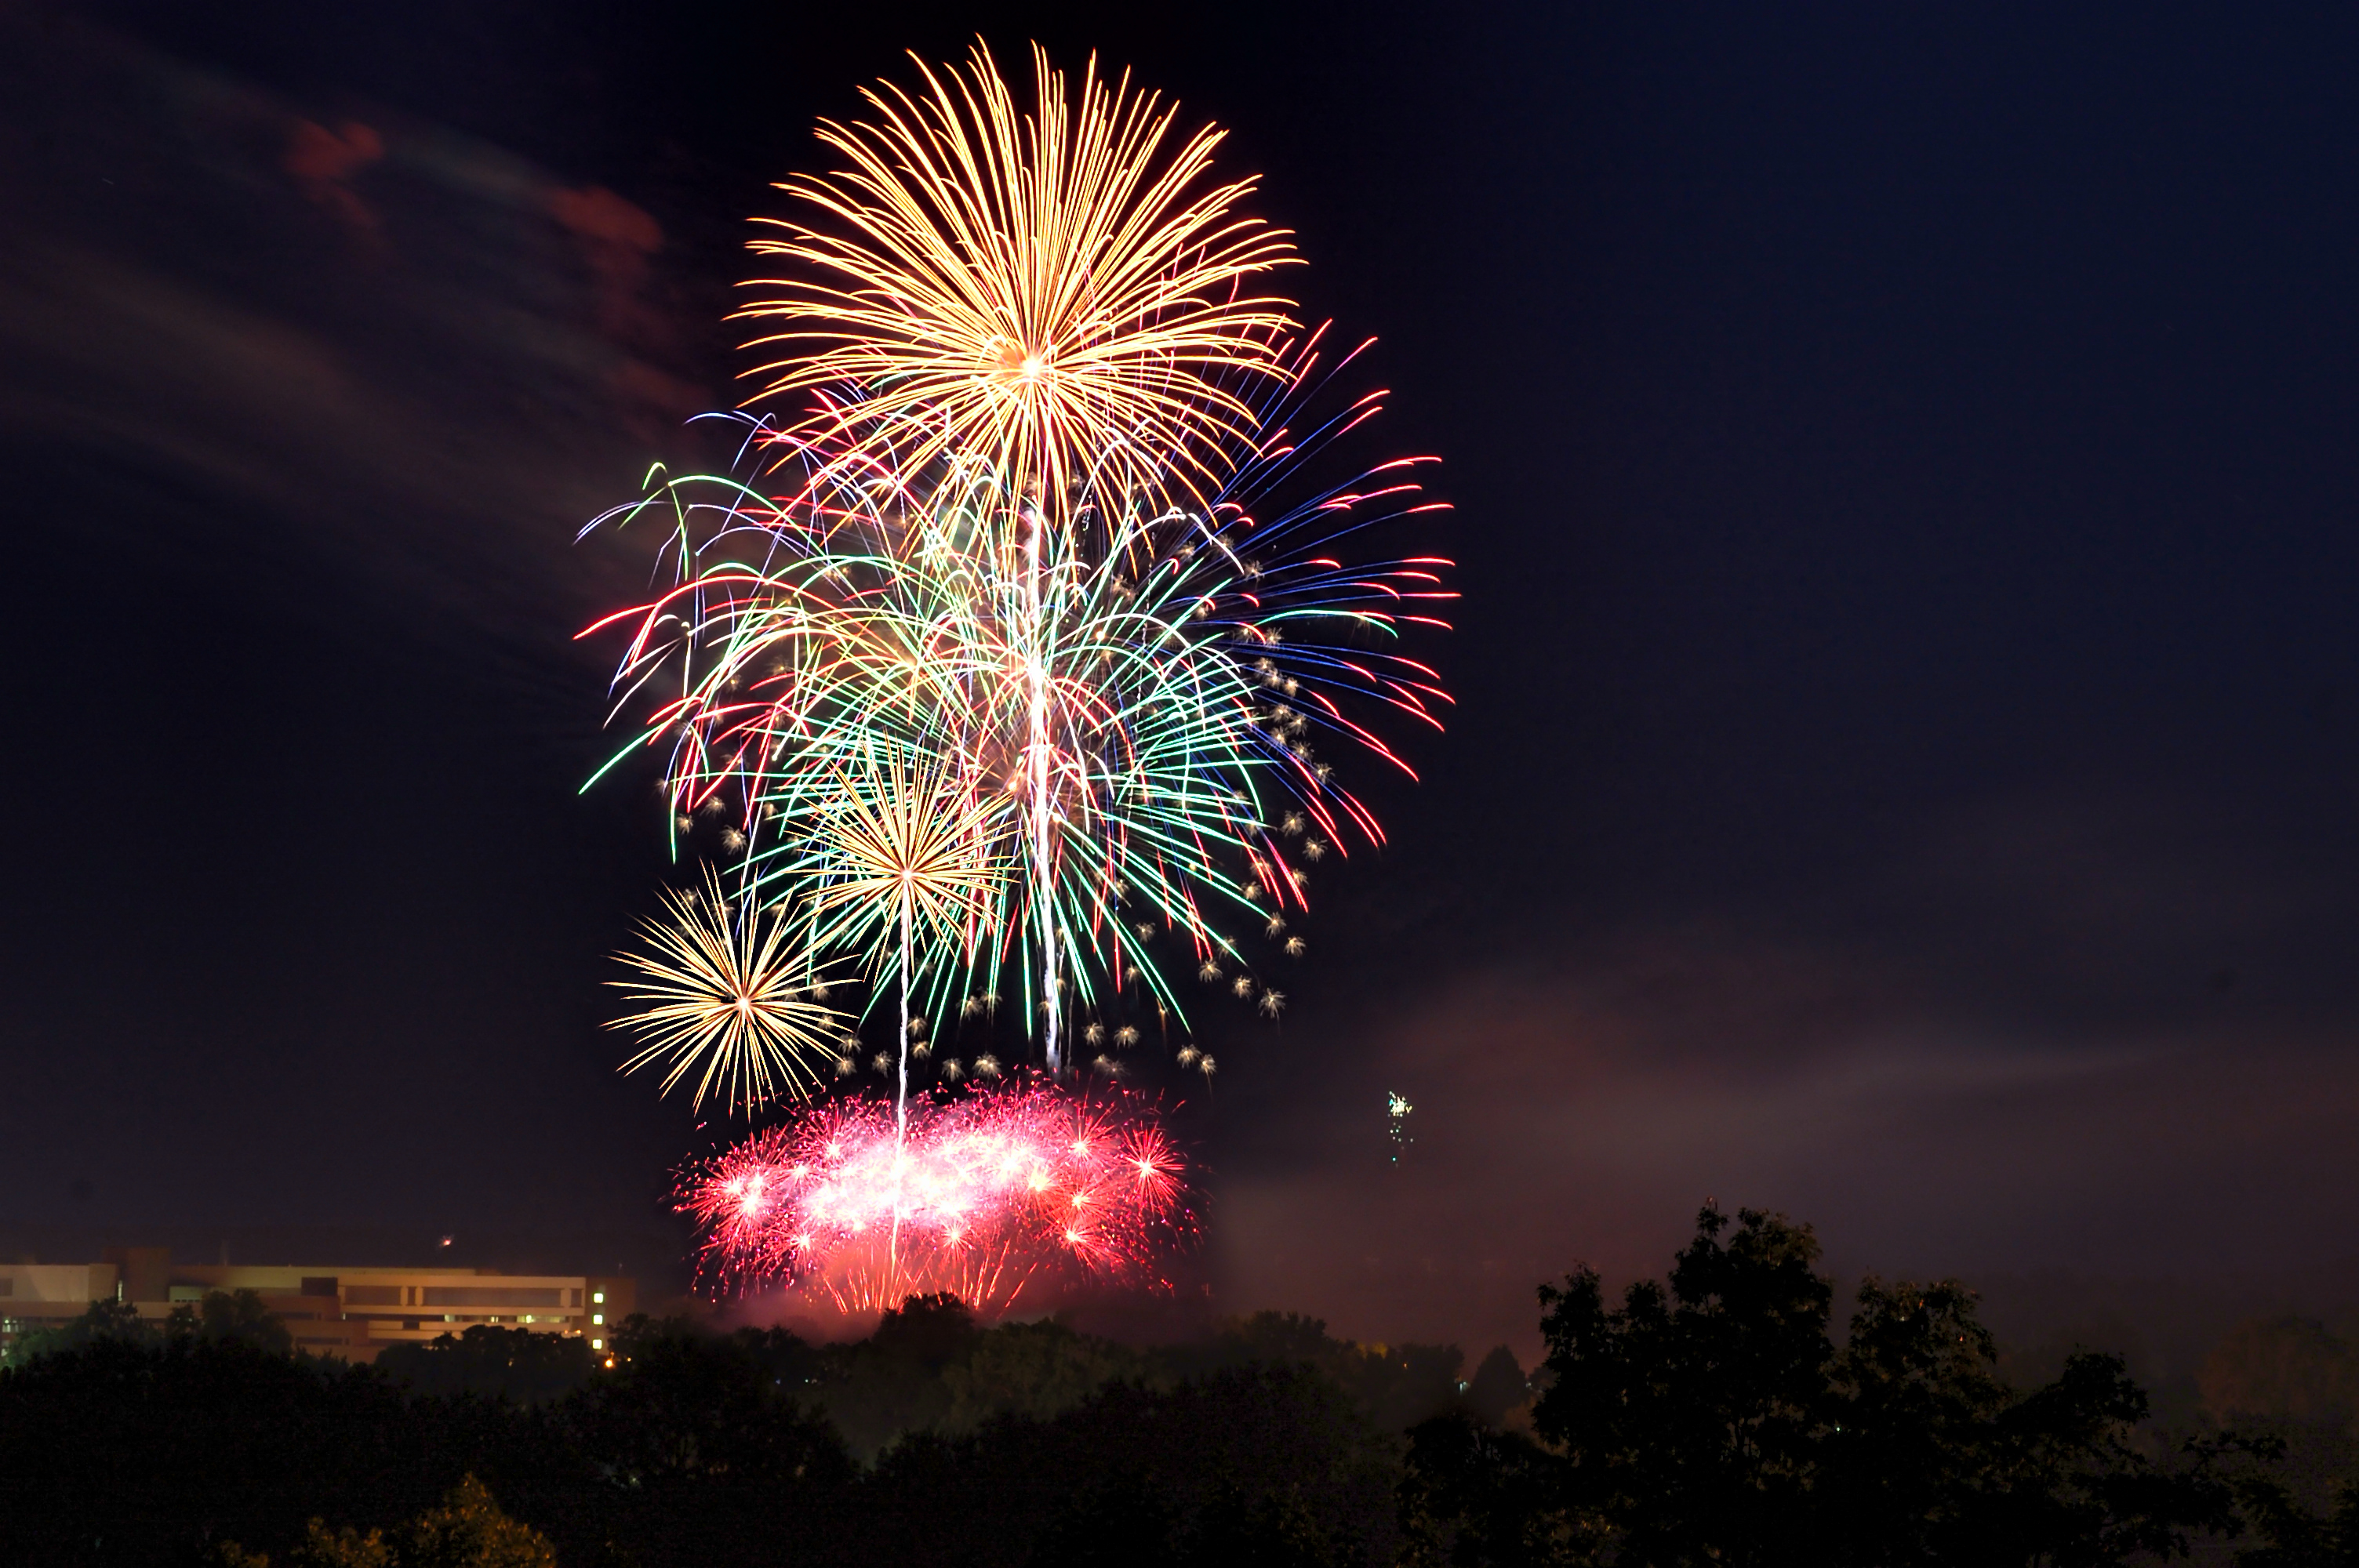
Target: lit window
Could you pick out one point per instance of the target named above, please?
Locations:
(597, 1345)
(598, 1317)
(598, 1298)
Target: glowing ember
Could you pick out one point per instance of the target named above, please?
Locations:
(1023, 1186)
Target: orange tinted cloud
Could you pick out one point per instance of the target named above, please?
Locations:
(323, 162)
(598, 215)
(616, 237)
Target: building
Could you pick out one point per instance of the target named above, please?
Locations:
(349, 1311)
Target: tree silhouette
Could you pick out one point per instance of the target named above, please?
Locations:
(1709, 1418)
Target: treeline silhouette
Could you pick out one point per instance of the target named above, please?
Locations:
(1710, 1418)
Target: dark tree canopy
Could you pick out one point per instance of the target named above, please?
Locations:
(1711, 1419)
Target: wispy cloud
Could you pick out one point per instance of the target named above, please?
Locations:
(392, 343)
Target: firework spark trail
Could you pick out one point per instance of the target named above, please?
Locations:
(1024, 1188)
(1037, 759)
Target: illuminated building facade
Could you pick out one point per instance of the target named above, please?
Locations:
(341, 1311)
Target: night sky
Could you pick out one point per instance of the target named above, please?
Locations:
(1908, 692)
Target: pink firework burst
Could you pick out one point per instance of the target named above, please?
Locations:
(1023, 1187)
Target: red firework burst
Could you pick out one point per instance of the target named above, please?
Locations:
(1015, 1188)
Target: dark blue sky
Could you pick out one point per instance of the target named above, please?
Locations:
(1910, 699)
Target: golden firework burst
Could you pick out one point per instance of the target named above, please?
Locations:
(723, 991)
(904, 851)
(1018, 284)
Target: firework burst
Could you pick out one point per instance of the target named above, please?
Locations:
(1013, 285)
(901, 847)
(1126, 710)
(723, 991)
(995, 1195)
(1005, 663)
